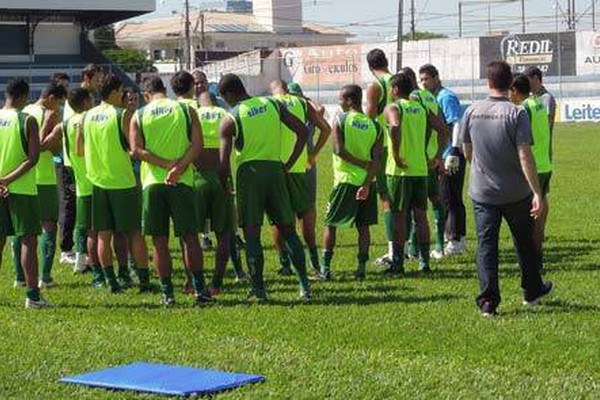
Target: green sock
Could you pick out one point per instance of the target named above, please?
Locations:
(98, 273)
(256, 263)
(123, 271)
(236, 260)
(314, 257)
(362, 262)
(143, 275)
(81, 240)
(33, 294)
(109, 275)
(440, 223)
(167, 286)
(424, 261)
(388, 220)
(217, 281)
(296, 250)
(199, 284)
(16, 251)
(398, 257)
(326, 261)
(48, 248)
(284, 259)
(413, 241)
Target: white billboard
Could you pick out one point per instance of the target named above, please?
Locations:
(579, 110)
(588, 53)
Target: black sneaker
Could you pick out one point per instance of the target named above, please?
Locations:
(393, 271)
(258, 296)
(359, 275)
(125, 281)
(168, 301)
(115, 288)
(203, 299)
(145, 288)
(285, 271)
(306, 295)
(546, 289)
(488, 310)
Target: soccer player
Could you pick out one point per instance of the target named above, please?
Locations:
(434, 150)
(452, 182)
(504, 184)
(520, 90)
(378, 98)
(407, 170)
(86, 240)
(253, 126)
(547, 99)
(358, 142)
(116, 205)
(303, 205)
(212, 203)
(19, 206)
(46, 112)
(166, 136)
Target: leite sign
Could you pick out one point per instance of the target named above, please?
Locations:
(552, 53)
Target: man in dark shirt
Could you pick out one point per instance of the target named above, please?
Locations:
(497, 139)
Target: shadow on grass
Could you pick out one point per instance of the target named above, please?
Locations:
(556, 307)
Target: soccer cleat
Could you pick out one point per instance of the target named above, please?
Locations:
(425, 270)
(359, 275)
(203, 299)
(67, 257)
(546, 289)
(393, 271)
(205, 242)
(115, 288)
(168, 301)
(488, 310)
(437, 254)
(125, 281)
(242, 278)
(384, 261)
(145, 288)
(453, 248)
(37, 304)
(285, 271)
(325, 276)
(259, 297)
(19, 284)
(47, 285)
(305, 295)
(79, 266)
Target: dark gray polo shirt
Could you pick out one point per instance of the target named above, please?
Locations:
(496, 127)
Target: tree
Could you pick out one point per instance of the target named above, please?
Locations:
(130, 60)
(424, 35)
(104, 38)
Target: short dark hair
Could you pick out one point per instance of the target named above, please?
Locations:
(153, 84)
(111, 82)
(499, 75)
(282, 83)
(533, 71)
(17, 88)
(408, 71)
(77, 98)
(90, 70)
(60, 76)
(352, 92)
(377, 59)
(54, 89)
(182, 82)
(430, 70)
(521, 84)
(403, 82)
(231, 83)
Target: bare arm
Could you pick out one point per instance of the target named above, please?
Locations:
(33, 153)
(52, 140)
(138, 150)
(51, 119)
(79, 142)
(296, 126)
(372, 169)
(372, 97)
(339, 148)
(226, 132)
(436, 123)
(394, 120)
(529, 168)
(319, 121)
(193, 152)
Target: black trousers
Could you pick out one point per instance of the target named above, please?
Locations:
(452, 195)
(488, 219)
(66, 210)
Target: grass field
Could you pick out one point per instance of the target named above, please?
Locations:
(410, 337)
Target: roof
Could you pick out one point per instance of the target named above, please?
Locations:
(214, 22)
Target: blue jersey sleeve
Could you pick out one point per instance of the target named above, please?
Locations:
(450, 106)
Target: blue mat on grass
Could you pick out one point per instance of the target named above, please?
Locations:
(164, 379)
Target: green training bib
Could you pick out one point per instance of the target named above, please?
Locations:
(413, 136)
(83, 186)
(13, 151)
(210, 120)
(540, 128)
(45, 173)
(298, 107)
(429, 102)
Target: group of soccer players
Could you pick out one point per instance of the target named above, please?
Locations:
(139, 171)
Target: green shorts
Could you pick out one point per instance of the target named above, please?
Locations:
(118, 210)
(161, 203)
(545, 182)
(407, 192)
(381, 180)
(19, 216)
(433, 184)
(212, 202)
(343, 210)
(48, 198)
(261, 187)
(299, 190)
(83, 212)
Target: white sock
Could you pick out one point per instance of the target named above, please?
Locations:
(390, 252)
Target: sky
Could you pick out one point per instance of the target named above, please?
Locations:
(375, 20)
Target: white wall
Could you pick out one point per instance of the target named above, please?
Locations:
(110, 5)
(57, 39)
(281, 16)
